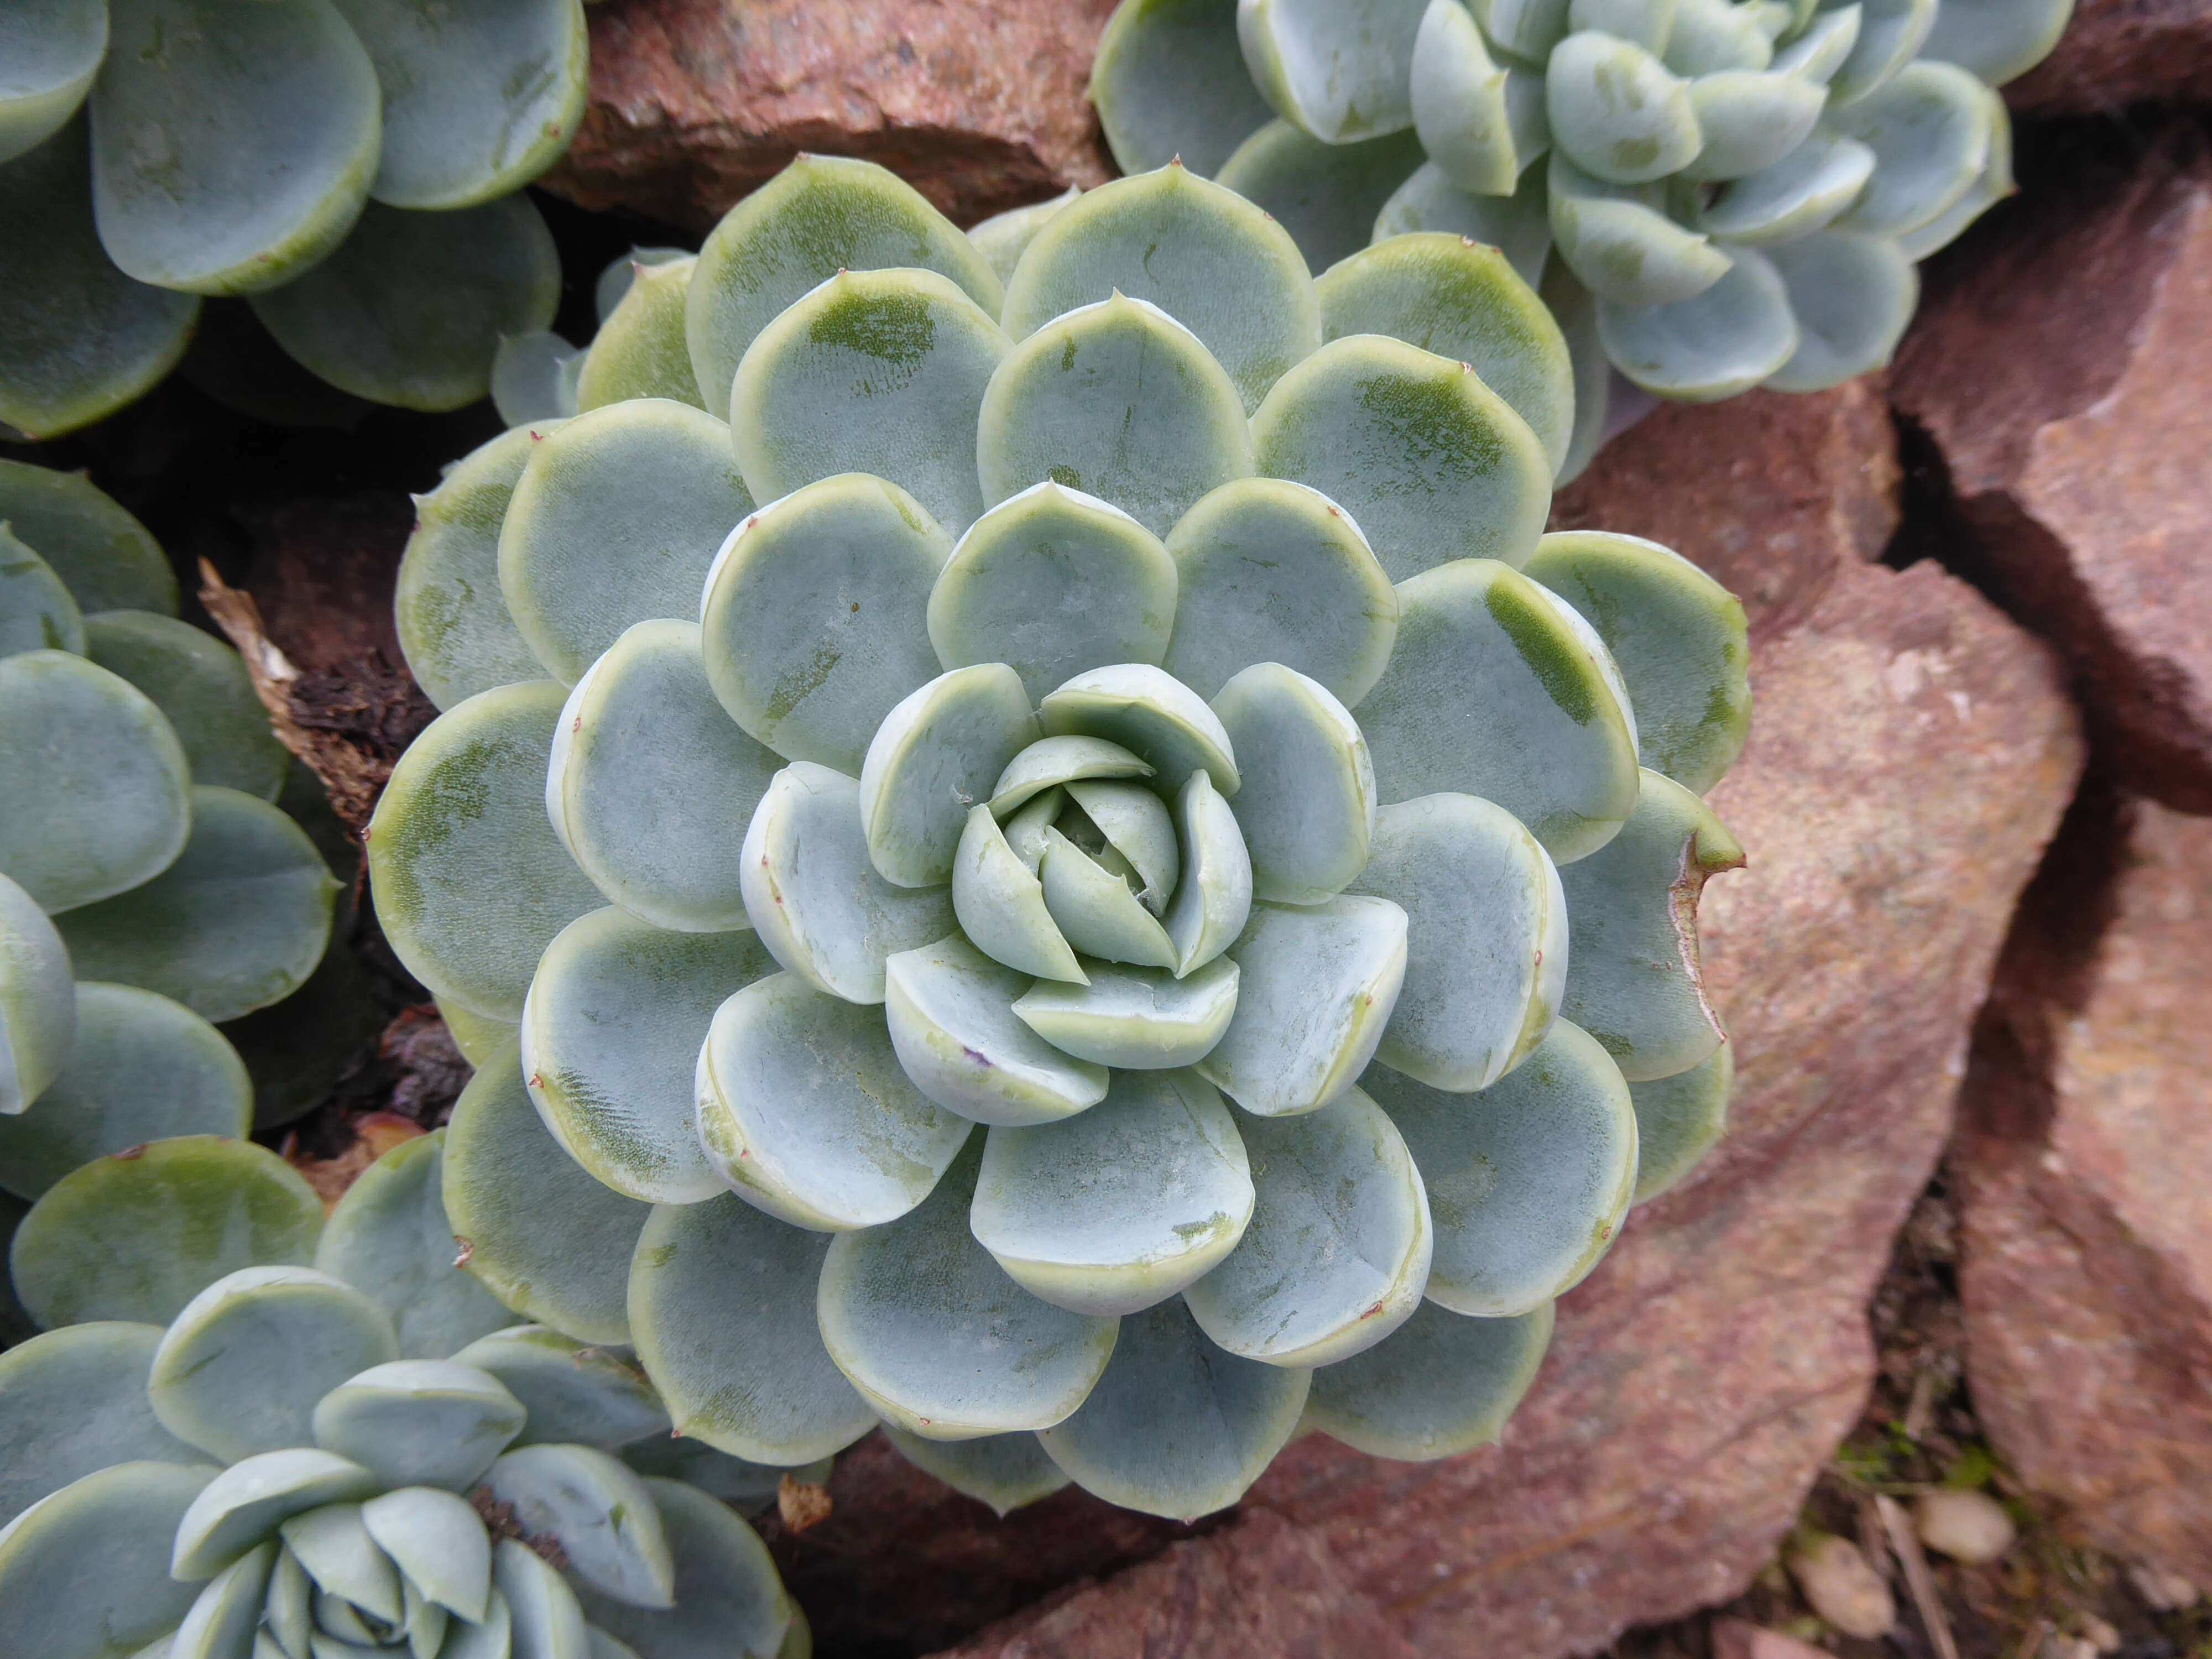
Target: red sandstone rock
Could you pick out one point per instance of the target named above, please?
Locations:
(2117, 52)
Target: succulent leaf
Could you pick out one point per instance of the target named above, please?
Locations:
(1307, 804)
(38, 1014)
(1326, 196)
(333, 1545)
(1214, 899)
(223, 1620)
(53, 52)
(1891, 32)
(1481, 122)
(721, 1299)
(1930, 127)
(598, 1512)
(1726, 339)
(1003, 238)
(1617, 111)
(1994, 184)
(1169, 84)
(543, 1612)
(1852, 296)
(140, 1233)
(1440, 1384)
(107, 558)
(1998, 40)
(1679, 1118)
(1336, 70)
(728, 1596)
(575, 1395)
(1095, 908)
(478, 1036)
(930, 761)
(533, 377)
(1150, 714)
(1138, 1019)
(1049, 762)
(36, 611)
(965, 1037)
(84, 1571)
(73, 1402)
(640, 350)
(488, 1637)
(1121, 1206)
(998, 897)
(1804, 191)
(1005, 1471)
(1823, 47)
(1750, 120)
(202, 686)
(289, 1611)
(1707, 37)
(251, 1499)
(1621, 244)
(1516, 224)
(1339, 1245)
(1527, 29)
(417, 1423)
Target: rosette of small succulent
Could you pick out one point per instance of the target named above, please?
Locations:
(1079, 876)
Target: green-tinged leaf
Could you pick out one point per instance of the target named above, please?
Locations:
(821, 215)
(1994, 184)
(999, 900)
(1997, 40)
(964, 1043)
(454, 624)
(721, 1299)
(1149, 713)
(730, 1604)
(1891, 34)
(1050, 762)
(933, 759)
(1751, 120)
(231, 150)
(1123, 1205)
(1213, 900)
(345, 1563)
(1339, 1246)
(1677, 636)
(238, 921)
(1517, 225)
(1004, 1471)
(1326, 196)
(1307, 805)
(1176, 1427)
(1442, 1384)
(1003, 238)
(73, 1402)
(488, 1638)
(615, 520)
(1726, 339)
(478, 1036)
(1336, 68)
(1793, 197)
(38, 1012)
(387, 1236)
(539, 1232)
(533, 377)
(542, 1611)
(1095, 908)
(36, 611)
(84, 1573)
(201, 685)
(1930, 127)
(1707, 37)
(1480, 121)
(1117, 399)
(419, 1422)
(804, 1110)
(1141, 1018)
(610, 1039)
(99, 791)
(1616, 111)
(874, 371)
(1678, 1119)
(598, 1512)
(437, 1540)
(139, 1233)
(1168, 81)
(1621, 244)
(107, 558)
(251, 1499)
(222, 1621)
(51, 53)
(470, 882)
(1634, 982)
(575, 1395)
(640, 349)
(938, 1340)
(1823, 47)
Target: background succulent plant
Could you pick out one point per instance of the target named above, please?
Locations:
(348, 165)
(1712, 194)
(1154, 747)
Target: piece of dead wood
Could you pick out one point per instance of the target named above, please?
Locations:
(1919, 1579)
(801, 1504)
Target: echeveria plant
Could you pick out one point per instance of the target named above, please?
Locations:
(349, 165)
(1715, 194)
(1031, 868)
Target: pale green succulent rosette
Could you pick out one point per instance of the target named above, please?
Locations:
(1161, 786)
(352, 165)
(1736, 189)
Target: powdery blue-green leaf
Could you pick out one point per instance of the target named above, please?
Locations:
(1822, 47)
(933, 758)
(478, 101)
(538, 1230)
(1710, 36)
(73, 1401)
(223, 1619)
(1143, 1018)
(84, 1573)
(1441, 1385)
(816, 615)
(1149, 713)
(648, 775)
(533, 377)
(1929, 129)
(964, 1043)
(38, 1008)
(1517, 225)
(804, 1110)
(1526, 28)
(615, 520)
(1891, 34)
(728, 1598)
(938, 1340)
(1053, 581)
(1678, 1119)
(1498, 689)
(1750, 118)
(237, 921)
(51, 53)
(1004, 1471)
(454, 624)
(1269, 571)
(230, 151)
(1793, 197)
(721, 1299)
(1176, 1427)
(1339, 1246)
(1315, 989)
(999, 900)
(410, 308)
(822, 910)
(640, 350)
(470, 881)
(139, 1234)
(242, 1505)
(346, 1565)
(821, 215)
(1485, 938)
(575, 1395)
(542, 1611)
(1123, 1205)
(1996, 40)
(36, 611)
(142, 1066)
(240, 1370)
(1326, 196)
(202, 686)
(598, 1512)
(1214, 899)
(1994, 184)
(98, 797)
(1621, 244)
(1095, 908)
(611, 1038)
(1338, 71)
(1727, 339)
(387, 1236)
(1634, 982)
(1677, 636)
(436, 1538)
(1480, 121)
(1003, 238)
(1307, 807)
(1120, 400)
(1168, 82)
(1528, 1180)
(873, 371)
(1202, 254)
(418, 1423)
(107, 558)
(1616, 111)
(78, 338)
(1050, 762)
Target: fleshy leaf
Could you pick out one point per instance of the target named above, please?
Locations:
(1678, 1119)
(1994, 184)
(1339, 1246)
(539, 1232)
(728, 1598)
(1891, 34)
(1725, 339)
(1518, 225)
(419, 1422)
(1003, 238)
(1634, 983)
(1480, 121)
(344, 1562)
(721, 1299)
(1750, 118)
(1997, 40)
(248, 1500)
(1095, 910)
(53, 52)
(1793, 197)
(1620, 242)
(533, 377)
(1709, 36)
(1168, 82)
(938, 1339)
(1202, 254)
(1213, 900)
(952, 1015)
(202, 686)
(1326, 196)
(933, 759)
(999, 900)
(1050, 762)
(470, 881)
(615, 520)
(36, 611)
(73, 1402)
(542, 1610)
(139, 1233)
(610, 1039)
(640, 350)
(574, 1395)
(1616, 111)
(107, 559)
(874, 371)
(84, 1573)
(1005, 1471)
(1143, 1019)
(1121, 1207)
(1442, 1384)
(223, 1619)
(1307, 807)
(437, 1540)
(598, 1512)
(748, 1487)
(1929, 130)
(1176, 1427)
(478, 1036)
(38, 1015)
(1150, 714)
(1337, 70)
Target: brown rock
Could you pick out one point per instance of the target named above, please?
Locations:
(979, 104)
(1739, 1639)
(2085, 1172)
(2117, 52)
(2058, 371)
